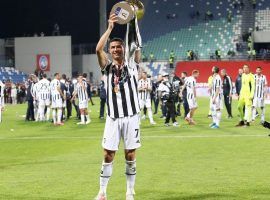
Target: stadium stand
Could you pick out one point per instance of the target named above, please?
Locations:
(11, 74)
(201, 26)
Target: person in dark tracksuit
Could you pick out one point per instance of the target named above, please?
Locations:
(30, 116)
(238, 82)
(227, 91)
(68, 98)
(102, 96)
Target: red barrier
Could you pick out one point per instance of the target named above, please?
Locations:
(232, 67)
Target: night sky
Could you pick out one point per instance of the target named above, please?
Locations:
(80, 18)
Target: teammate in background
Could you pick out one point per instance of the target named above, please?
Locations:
(44, 98)
(210, 80)
(57, 100)
(35, 97)
(190, 85)
(184, 93)
(227, 89)
(63, 88)
(145, 88)
(246, 96)
(2, 101)
(122, 121)
(260, 94)
(81, 92)
(216, 98)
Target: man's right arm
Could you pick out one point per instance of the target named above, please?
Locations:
(101, 54)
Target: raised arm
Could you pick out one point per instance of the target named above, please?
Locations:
(101, 54)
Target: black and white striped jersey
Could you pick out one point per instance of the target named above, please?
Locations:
(146, 85)
(190, 83)
(54, 86)
(260, 84)
(121, 89)
(2, 88)
(216, 85)
(43, 89)
(81, 90)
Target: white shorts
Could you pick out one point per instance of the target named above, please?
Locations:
(127, 128)
(192, 103)
(58, 103)
(145, 102)
(1, 102)
(83, 104)
(218, 104)
(44, 102)
(258, 102)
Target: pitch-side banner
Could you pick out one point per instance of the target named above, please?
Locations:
(43, 62)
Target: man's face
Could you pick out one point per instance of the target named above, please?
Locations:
(213, 70)
(259, 71)
(222, 73)
(116, 50)
(57, 77)
(183, 75)
(80, 78)
(196, 75)
(246, 69)
(144, 75)
(240, 71)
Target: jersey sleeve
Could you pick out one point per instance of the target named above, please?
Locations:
(106, 69)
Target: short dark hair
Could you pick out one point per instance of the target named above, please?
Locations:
(184, 73)
(216, 69)
(117, 40)
(44, 75)
(64, 76)
(84, 75)
(195, 71)
(259, 67)
(56, 74)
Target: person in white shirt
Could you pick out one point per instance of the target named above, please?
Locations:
(190, 85)
(81, 92)
(57, 99)
(216, 98)
(44, 98)
(260, 94)
(144, 89)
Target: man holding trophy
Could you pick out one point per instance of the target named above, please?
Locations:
(121, 80)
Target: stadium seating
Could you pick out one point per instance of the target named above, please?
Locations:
(9, 73)
(177, 27)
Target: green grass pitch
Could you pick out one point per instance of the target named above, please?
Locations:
(39, 161)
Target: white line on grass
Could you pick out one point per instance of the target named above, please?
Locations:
(144, 137)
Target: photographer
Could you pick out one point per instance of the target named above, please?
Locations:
(177, 83)
(167, 97)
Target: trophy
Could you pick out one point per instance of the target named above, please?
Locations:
(128, 10)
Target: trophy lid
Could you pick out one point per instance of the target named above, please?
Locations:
(124, 12)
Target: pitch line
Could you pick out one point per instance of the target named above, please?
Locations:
(143, 137)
